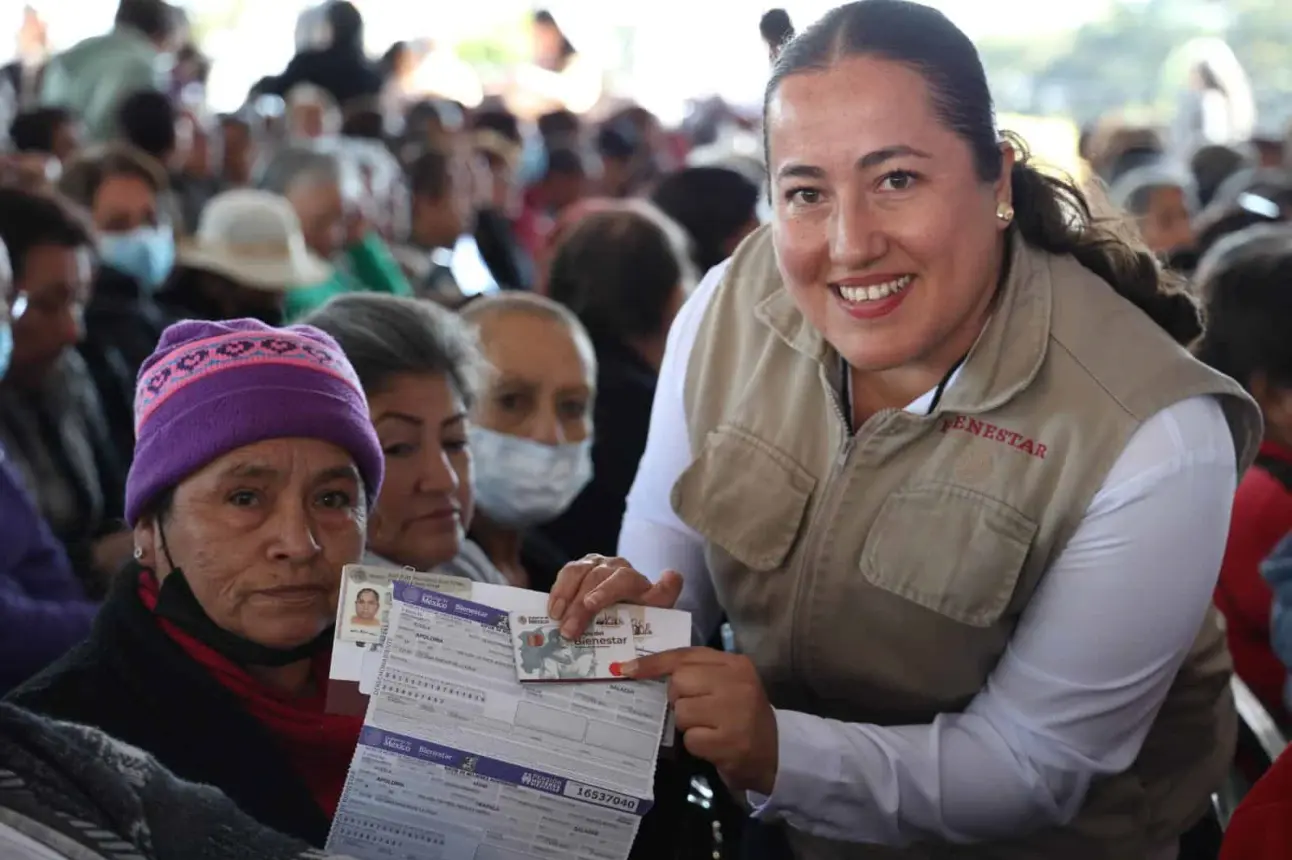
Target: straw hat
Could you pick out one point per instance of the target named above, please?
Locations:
(254, 238)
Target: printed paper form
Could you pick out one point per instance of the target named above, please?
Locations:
(459, 760)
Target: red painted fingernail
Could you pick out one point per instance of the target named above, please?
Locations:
(616, 669)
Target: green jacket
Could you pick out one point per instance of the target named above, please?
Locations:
(93, 77)
(367, 267)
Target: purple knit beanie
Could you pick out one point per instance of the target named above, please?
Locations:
(213, 387)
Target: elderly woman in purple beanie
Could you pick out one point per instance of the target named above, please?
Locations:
(255, 467)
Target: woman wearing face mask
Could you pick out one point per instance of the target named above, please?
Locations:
(531, 432)
(247, 257)
(212, 653)
(121, 188)
(625, 273)
(933, 444)
(418, 366)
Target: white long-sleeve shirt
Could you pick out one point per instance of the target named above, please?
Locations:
(1075, 693)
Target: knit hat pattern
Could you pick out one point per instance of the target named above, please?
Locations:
(213, 387)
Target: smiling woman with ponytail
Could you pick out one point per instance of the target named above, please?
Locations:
(932, 443)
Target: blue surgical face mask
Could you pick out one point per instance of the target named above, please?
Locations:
(521, 483)
(6, 346)
(146, 254)
(533, 161)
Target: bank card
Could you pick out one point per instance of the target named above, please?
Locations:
(543, 654)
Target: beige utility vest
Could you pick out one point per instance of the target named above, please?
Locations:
(877, 578)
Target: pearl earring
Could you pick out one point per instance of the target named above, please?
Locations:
(1005, 212)
(139, 553)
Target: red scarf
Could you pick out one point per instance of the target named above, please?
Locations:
(318, 744)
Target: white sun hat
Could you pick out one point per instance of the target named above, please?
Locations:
(254, 238)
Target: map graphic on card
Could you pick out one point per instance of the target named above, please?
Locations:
(543, 654)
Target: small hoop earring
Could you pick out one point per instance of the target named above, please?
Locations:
(1005, 212)
(139, 553)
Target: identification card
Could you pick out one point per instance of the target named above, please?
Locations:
(364, 606)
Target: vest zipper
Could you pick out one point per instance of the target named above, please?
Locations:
(810, 535)
(824, 513)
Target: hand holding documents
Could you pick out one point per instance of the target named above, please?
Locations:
(585, 587)
(460, 759)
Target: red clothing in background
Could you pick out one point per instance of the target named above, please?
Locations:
(1261, 828)
(532, 224)
(1262, 517)
(318, 744)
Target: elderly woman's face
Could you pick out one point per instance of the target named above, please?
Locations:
(321, 210)
(887, 239)
(543, 381)
(261, 535)
(311, 121)
(425, 504)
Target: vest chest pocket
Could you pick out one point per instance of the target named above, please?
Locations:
(746, 497)
(948, 549)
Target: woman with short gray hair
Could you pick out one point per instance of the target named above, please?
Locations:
(418, 366)
(325, 189)
(1163, 201)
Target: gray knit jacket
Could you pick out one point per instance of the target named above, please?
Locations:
(86, 796)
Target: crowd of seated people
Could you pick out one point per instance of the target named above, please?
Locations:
(500, 290)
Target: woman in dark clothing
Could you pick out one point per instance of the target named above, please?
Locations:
(624, 273)
(341, 68)
(43, 609)
(496, 139)
(51, 415)
(717, 207)
(212, 653)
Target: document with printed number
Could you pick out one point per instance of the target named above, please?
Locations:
(460, 760)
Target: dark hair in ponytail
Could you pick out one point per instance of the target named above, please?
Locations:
(1051, 212)
(775, 28)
